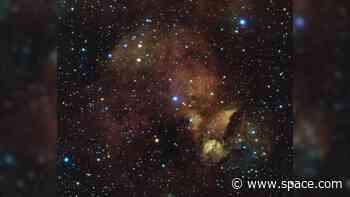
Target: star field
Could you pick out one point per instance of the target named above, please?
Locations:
(173, 98)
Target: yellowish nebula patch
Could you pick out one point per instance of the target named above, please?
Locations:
(219, 122)
(213, 150)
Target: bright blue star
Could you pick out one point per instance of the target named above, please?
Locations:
(109, 55)
(83, 50)
(242, 22)
(175, 98)
(66, 159)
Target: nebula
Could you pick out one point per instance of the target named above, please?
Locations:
(181, 95)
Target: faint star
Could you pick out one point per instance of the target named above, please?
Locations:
(299, 21)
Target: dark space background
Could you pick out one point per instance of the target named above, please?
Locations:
(321, 91)
(28, 99)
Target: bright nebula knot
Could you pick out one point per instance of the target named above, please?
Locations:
(213, 150)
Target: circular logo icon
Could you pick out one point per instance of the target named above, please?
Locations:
(237, 183)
